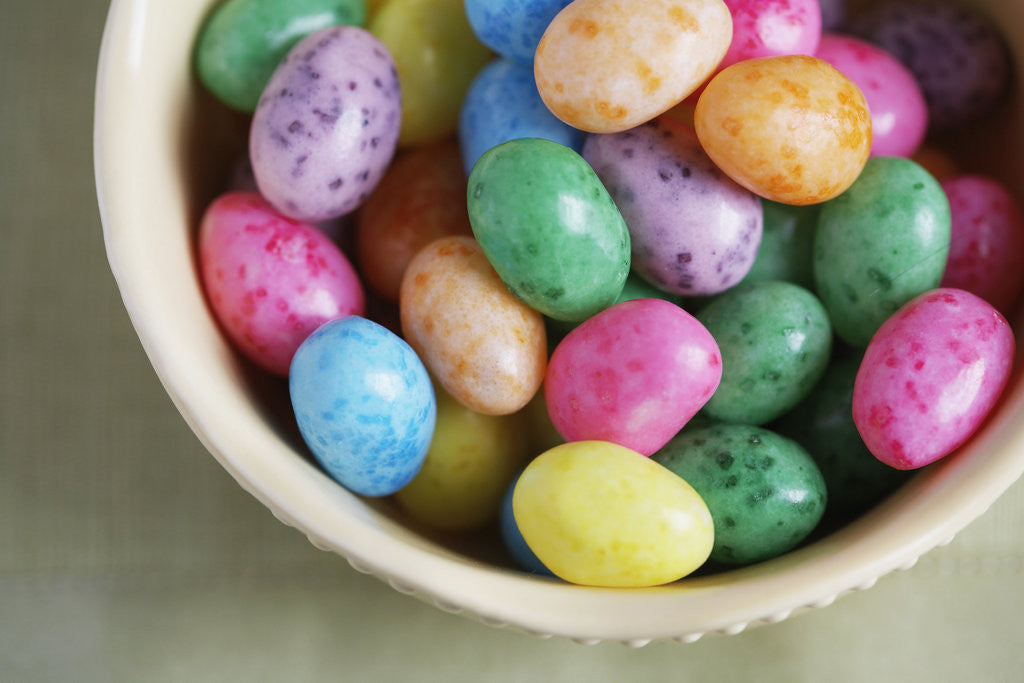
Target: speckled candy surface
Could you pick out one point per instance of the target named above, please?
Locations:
(599, 514)
(512, 28)
(605, 66)
(899, 114)
(766, 28)
(775, 339)
(484, 346)
(987, 240)
(693, 231)
(549, 227)
(930, 375)
(270, 280)
(364, 405)
(792, 128)
(880, 244)
(633, 374)
(327, 124)
(764, 491)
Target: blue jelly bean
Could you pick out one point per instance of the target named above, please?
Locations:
(503, 104)
(514, 541)
(512, 28)
(364, 405)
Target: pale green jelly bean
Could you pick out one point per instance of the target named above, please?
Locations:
(775, 339)
(242, 42)
(600, 514)
(879, 244)
(786, 242)
(549, 227)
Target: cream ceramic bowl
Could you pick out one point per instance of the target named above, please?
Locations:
(161, 149)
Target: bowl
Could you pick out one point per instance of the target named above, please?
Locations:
(162, 149)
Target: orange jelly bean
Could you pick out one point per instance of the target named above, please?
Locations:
(791, 129)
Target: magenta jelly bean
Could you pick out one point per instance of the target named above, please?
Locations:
(270, 280)
(930, 376)
(987, 240)
(634, 374)
(766, 28)
(899, 114)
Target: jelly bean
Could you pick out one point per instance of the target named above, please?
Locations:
(242, 42)
(485, 347)
(786, 244)
(512, 28)
(437, 56)
(791, 129)
(549, 227)
(899, 115)
(823, 424)
(599, 514)
(421, 197)
(471, 462)
(775, 340)
(880, 244)
(270, 280)
(513, 538)
(540, 433)
(633, 374)
(604, 66)
(503, 104)
(930, 376)
(764, 491)
(957, 56)
(692, 230)
(833, 14)
(987, 240)
(768, 28)
(326, 127)
(364, 405)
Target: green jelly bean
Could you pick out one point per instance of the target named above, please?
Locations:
(786, 244)
(242, 42)
(775, 338)
(823, 424)
(764, 491)
(549, 228)
(880, 244)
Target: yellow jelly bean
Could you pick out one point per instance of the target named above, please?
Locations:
(471, 462)
(791, 129)
(600, 514)
(484, 346)
(437, 56)
(604, 66)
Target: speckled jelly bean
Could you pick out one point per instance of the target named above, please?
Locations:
(605, 66)
(512, 28)
(767, 28)
(549, 227)
(764, 491)
(484, 346)
(880, 244)
(987, 240)
(513, 539)
(503, 104)
(823, 424)
(957, 56)
(693, 231)
(787, 240)
(599, 514)
(791, 128)
(930, 376)
(270, 280)
(899, 114)
(364, 405)
(437, 56)
(242, 41)
(633, 374)
(471, 462)
(326, 127)
(833, 14)
(421, 197)
(775, 340)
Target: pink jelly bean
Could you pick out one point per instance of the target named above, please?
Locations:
(899, 113)
(930, 375)
(270, 280)
(986, 241)
(634, 374)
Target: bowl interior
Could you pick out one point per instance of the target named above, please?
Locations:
(163, 148)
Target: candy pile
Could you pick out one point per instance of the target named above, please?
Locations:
(658, 286)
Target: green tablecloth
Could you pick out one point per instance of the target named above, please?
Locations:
(127, 554)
